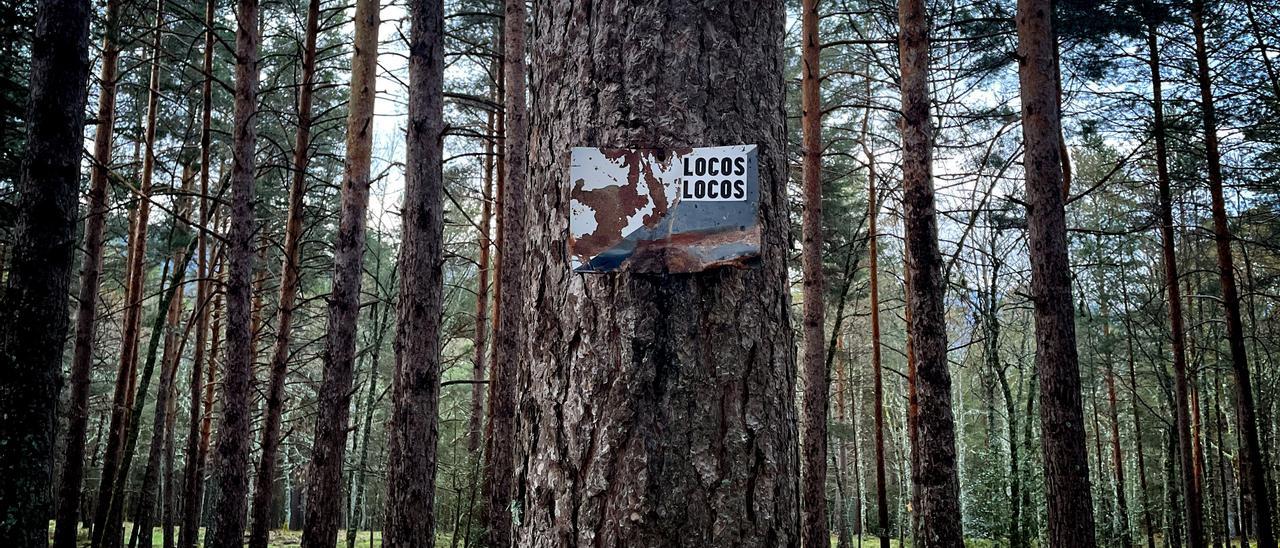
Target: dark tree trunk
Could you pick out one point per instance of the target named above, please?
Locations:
(193, 481)
(90, 274)
(935, 478)
(231, 457)
(509, 299)
(264, 486)
(1066, 463)
(632, 433)
(816, 385)
(378, 312)
(324, 482)
(34, 313)
(1246, 413)
(411, 463)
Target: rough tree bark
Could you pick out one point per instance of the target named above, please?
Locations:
(656, 410)
(1066, 463)
(324, 482)
(512, 172)
(35, 315)
(264, 486)
(1246, 413)
(935, 478)
(90, 274)
(411, 447)
(231, 456)
(816, 386)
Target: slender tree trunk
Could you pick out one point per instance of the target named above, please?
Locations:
(475, 429)
(1066, 464)
(1173, 293)
(324, 482)
(264, 487)
(877, 371)
(147, 494)
(168, 520)
(813, 499)
(231, 459)
(660, 443)
(193, 481)
(90, 275)
(513, 129)
(107, 531)
(362, 467)
(411, 465)
(936, 480)
(1117, 457)
(1246, 414)
(34, 313)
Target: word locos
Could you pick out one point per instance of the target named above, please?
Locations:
(714, 179)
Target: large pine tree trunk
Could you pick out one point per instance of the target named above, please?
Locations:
(512, 172)
(264, 486)
(656, 410)
(1246, 413)
(34, 313)
(411, 447)
(813, 499)
(324, 482)
(1066, 463)
(935, 478)
(90, 274)
(231, 457)
(193, 476)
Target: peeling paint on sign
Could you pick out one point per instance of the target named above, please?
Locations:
(663, 210)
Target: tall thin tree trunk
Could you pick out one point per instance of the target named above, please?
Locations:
(362, 466)
(1066, 464)
(264, 487)
(147, 494)
(935, 478)
(231, 459)
(1173, 292)
(630, 435)
(324, 482)
(475, 429)
(1117, 457)
(513, 137)
(193, 482)
(34, 313)
(1246, 414)
(411, 464)
(90, 276)
(816, 383)
(107, 531)
(877, 371)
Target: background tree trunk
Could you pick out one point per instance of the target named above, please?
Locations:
(193, 482)
(621, 443)
(264, 487)
(1246, 413)
(509, 300)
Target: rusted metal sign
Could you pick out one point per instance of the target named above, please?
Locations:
(663, 210)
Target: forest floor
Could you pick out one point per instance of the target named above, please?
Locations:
(279, 538)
